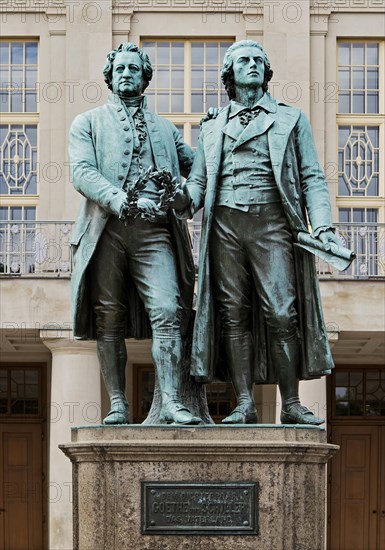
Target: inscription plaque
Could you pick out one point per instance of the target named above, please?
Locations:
(176, 508)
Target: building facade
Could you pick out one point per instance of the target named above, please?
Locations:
(328, 58)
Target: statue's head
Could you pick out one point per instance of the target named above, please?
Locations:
(232, 54)
(128, 70)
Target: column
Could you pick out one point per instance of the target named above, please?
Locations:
(75, 401)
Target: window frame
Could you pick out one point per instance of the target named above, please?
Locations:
(365, 119)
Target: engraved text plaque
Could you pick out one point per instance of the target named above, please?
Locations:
(219, 508)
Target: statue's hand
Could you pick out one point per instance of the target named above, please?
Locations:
(212, 112)
(182, 197)
(328, 236)
(148, 208)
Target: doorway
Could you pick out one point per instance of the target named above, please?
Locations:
(357, 473)
(22, 457)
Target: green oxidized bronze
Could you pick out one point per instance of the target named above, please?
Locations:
(132, 279)
(257, 177)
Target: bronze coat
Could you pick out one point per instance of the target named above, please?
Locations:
(100, 152)
(302, 187)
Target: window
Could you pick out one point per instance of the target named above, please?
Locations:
(186, 81)
(361, 146)
(18, 154)
(18, 77)
(359, 392)
(20, 391)
(361, 127)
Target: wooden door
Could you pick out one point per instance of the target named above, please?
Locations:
(21, 483)
(356, 419)
(22, 457)
(355, 475)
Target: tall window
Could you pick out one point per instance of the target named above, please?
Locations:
(186, 81)
(361, 146)
(18, 152)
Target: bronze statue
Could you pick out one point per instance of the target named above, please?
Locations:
(257, 177)
(132, 257)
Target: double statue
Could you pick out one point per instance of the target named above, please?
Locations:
(257, 177)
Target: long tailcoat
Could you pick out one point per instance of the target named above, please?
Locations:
(100, 153)
(304, 192)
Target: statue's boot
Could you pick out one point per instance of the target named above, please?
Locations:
(167, 356)
(285, 355)
(239, 353)
(112, 358)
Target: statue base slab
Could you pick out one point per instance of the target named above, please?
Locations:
(169, 487)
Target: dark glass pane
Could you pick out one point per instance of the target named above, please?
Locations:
(344, 103)
(31, 53)
(17, 52)
(358, 102)
(31, 188)
(4, 53)
(344, 78)
(177, 101)
(372, 102)
(371, 215)
(344, 54)
(17, 102)
(162, 100)
(372, 54)
(373, 133)
(149, 48)
(30, 213)
(197, 49)
(343, 135)
(343, 188)
(31, 132)
(358, 79)
(197, 78)
(342, 408)
(358, 54)
(177, 78)
(4, 102)
(163, 51)
(373, 187)
(372, 79)
(211, 53)
(4, 77)
(16, 215)
(30, 77)
(178, 53)
(197, 102)
(163, 78)
(358, 215)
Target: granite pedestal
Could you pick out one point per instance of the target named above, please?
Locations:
(181, 488)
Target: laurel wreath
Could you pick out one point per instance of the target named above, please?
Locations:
(165, 181)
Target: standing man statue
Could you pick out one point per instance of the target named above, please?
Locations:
(131, 255)
(257, 177)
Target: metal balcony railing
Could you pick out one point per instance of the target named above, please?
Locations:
(35, 248)
(41, 249)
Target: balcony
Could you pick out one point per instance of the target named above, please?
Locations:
(41, 249)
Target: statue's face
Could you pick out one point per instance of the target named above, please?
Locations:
(248, 67)
(127, 74)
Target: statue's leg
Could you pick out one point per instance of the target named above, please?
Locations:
(153, 270)
(239, 354)
(231, 289)
(107, 283)
(274, 276)
(112, 356)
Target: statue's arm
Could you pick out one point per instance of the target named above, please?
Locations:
(184, 152)
(197, 180)
(313, 183)
(85, 175)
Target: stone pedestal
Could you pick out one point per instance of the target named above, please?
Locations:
(117, 499)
